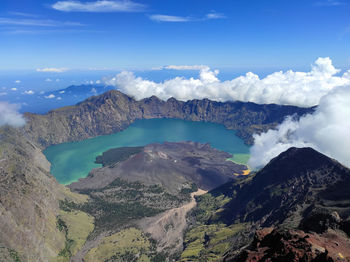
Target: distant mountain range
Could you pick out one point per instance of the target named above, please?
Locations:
(46, 101)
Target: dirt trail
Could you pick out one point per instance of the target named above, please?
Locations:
(89, 244)
(168, 227)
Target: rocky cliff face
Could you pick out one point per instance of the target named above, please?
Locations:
(291, 187)
(271, 244)
(300, 189)
(113, 111)
(28, 201)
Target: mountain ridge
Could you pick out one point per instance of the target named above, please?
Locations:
(301, 189)
(113, 111)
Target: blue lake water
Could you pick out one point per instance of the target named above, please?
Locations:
(71, 161)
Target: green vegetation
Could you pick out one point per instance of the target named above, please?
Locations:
(65, 252)
(79, 225)
(127, 245)
(208, 205)
(8, 254)
(14, 255)
(116, 155)
(76, 226)
(121, 202)
(208, 242)
(209, 237)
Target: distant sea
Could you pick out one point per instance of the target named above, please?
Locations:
(39, 92)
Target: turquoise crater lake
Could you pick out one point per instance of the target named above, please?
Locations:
(71, 161)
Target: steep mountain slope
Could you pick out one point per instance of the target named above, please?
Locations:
(290, 187)
(29, 198)
(113, 111)
(301, 188)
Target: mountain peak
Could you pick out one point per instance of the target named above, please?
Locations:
(295, 162)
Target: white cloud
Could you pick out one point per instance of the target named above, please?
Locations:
(330, 3)
(185, 67)
(9, 115)
(214, 15)
(62, 92)
(3, 93)
(169, 18)
(50, 96)
(29, 92)
(173, 18)
(36, 22)
(59, 98)
(326, 130)
(52, 70)
(18, 81)
(98, 82)
(99, 6)
(48, 80)
(13, 89)
(287, 88)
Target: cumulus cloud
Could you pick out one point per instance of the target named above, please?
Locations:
(18, 81)
(9, 115)
(13, 89)
(287, 88)
(52, 70)
(29, 92)
(48, 80)
(50, 96)
(99, 6)
(326, 130)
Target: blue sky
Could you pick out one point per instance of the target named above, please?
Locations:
(137, 34)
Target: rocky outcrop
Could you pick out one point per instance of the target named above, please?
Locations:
(294, 245)
(301, 189)
(113, 111)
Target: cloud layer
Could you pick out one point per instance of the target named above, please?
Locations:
(326, 130)
(172, 18)
(52, 70)
(9, 115)
(99, 6)
(287, 88)
(35, 22)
